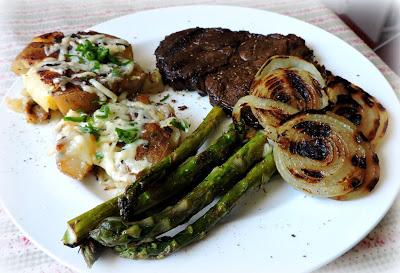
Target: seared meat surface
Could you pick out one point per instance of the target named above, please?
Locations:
(220, 62)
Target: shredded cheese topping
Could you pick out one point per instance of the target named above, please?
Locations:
(89, 61)
(116, 132)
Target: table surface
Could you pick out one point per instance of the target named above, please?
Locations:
(21, 20)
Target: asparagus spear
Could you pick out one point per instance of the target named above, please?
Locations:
(219, 179)
(91, 251)
(192, 171)
(79, 227)
(189, 146)
(160, 248)
(185, 176)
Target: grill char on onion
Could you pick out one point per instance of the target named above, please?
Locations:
(283, 86)
(356, 105)
(314, 153)
(325, 150)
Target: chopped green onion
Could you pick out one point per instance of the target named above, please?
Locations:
(126, 62)
(81, 60)
(99, 102)
(96, 65)
(113, 59)
(80, 48)
(164, 98)
(89, 55)
(127, 136)
(105, 109)
(81, 118)
(99, 155)
(102, 53)
(86, 46)
(90, 129)
(180, 124)
(116, 72)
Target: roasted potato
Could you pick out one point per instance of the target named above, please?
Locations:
(49, 95)
(34, 53)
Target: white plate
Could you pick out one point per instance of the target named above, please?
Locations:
(281, 230)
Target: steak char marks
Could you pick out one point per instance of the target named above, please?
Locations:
(220, 62)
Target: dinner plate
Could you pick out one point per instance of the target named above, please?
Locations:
(275, 229)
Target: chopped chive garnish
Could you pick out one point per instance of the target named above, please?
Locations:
(180, 124)
(126, 62)
(164, 98)
(96, 65)
(105, 109)
(127, 135)
(90, 129)
(99, 155)
(81, 118)
(89, 55)
(102, 53)
(116, 72)
(99, 102)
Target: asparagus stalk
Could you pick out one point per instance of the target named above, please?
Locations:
(189, 146)
(160, 248)
(91, 251)
(203, 194)
(192, 171)
(185, 176)
(79, 227)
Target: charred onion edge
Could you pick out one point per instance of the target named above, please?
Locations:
(350, 180)
(285, 61)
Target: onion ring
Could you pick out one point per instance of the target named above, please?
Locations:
(320, 154)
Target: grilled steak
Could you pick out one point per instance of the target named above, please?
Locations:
(220, 62)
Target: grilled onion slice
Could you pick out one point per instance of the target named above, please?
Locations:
(371, 178)
(290, 80)
(321, 154)
(269, 113)
(356, 105)
(292, 86)
(287, 85)
(284, 61)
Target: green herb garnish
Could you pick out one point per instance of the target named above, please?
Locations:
(105, 109)
(164, 98)
(96, 65)
(116, 72)
(90, 129)
(99, 102)
(113, 59)
(81, 118)
(180, 124)
(99, 155)
(90, 55)
(81, 60)
(85, 46)
(102, 53)
(126, 62)
(127, 135)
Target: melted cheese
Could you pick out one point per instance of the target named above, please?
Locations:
(71, 67)
(118, 162)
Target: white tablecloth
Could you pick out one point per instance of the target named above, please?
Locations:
(21, 20)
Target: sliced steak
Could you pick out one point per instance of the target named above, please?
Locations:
(186, 57)
(220, 62)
